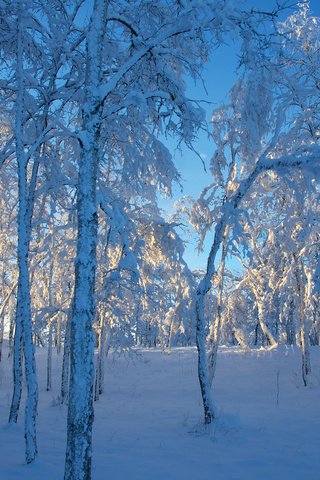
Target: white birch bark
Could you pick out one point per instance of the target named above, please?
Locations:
(23, 314)
(80, 406)
(215, 329)
(214, 334)
(208, 405)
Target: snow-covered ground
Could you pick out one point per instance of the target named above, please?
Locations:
(148, 422)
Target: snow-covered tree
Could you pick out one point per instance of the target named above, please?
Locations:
(271, 130)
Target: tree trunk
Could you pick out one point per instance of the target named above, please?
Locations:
(302, 299)
(208, 406)
(104, 334)
(17, 374)
(5, 303)
(80, 406)
(49, 358)
(23, 315)
(229, 209)
(265, 330)
(64, 394)
(214, 335)
(11, 314)
(290, 329)
(57, 340)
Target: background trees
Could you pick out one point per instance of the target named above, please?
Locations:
(84, 112)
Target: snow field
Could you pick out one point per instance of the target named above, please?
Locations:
(148, 423)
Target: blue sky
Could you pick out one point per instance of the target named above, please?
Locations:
(219, 76)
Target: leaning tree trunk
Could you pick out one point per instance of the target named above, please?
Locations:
(80, 406)
(215, 329)
(265, 329)
(203, 289)
(228, 211)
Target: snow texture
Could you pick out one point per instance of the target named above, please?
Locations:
(149, 420)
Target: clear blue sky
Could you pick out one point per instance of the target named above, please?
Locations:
(219, 76)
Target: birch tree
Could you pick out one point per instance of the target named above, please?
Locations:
(266, 142)
(23, 317)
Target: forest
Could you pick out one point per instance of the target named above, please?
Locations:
(93, 272)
